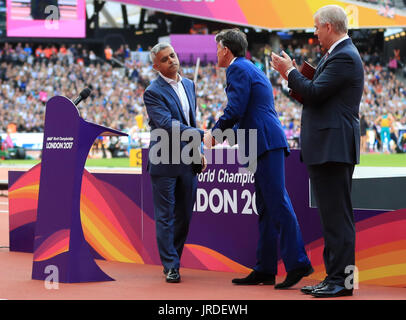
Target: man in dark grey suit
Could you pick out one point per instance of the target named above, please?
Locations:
(330, 141)
(170, 101)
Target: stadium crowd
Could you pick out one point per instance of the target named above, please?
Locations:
(28, 78)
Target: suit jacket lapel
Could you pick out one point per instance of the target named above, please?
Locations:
(320, 66)
(323, 61)
(168, 88)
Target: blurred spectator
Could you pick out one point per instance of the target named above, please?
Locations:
(27, 49)
(120, 53)
(39, 52)
(393, 143)
(127, 52)
(108, 53)
(92, 57)
(363, 131)
(116, 149)
(385, 123)
(402, 142)
(8, 143)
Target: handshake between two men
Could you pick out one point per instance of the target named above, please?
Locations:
(249, 118)
(208, 142)
(208, 139)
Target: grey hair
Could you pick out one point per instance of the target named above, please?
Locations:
(157, 48)
(335, 15)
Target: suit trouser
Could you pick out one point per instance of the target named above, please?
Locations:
(277, 218)
(331, 183)
(173, 199)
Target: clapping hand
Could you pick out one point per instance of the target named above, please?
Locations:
(282, 63)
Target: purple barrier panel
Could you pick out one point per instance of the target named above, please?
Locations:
(223, 233)
(59, 241)
(225, 216)
(190, 47)
(110, 211)
(118, 225)
(22, 211)
(191, 57)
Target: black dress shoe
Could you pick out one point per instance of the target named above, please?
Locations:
(256, 277)
(309, 289)
(295, 276)
(331, 290)
(173, 276)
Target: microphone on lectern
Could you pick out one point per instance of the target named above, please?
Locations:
(82, 96)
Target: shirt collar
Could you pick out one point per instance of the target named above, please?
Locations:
(335, 44)
(169, 80)
(232, 61)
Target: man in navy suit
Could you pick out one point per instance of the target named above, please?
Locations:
(251, 106)
(171, 106)
(330, 140)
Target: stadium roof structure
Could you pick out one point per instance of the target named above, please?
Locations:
(277, 14)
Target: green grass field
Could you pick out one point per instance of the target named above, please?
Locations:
(383, 160)
(367, 160)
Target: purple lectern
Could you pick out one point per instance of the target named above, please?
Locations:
(59, 243)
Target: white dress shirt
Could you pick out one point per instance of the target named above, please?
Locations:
(181, 93)
(336, 43)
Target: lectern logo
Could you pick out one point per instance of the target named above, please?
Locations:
(59, 143)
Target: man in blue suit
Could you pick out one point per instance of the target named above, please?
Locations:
(171, 106)
(330, 141)
(251, 106)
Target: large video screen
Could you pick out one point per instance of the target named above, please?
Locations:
(3, 10)
(276, 14)
(46, 18)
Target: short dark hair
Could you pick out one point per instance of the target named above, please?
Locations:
(233, 39)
